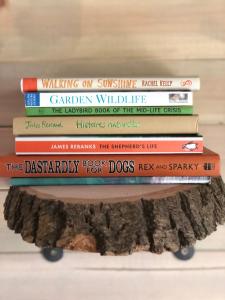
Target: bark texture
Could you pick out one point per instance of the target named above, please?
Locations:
(152, 225)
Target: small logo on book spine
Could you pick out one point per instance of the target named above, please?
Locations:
(209, 166)
(32, 99)
(187, 83)
(191, 146)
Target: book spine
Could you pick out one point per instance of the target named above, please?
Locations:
(107, 99)
(110, 165)
(84, 145)
(76, 84)
(111, 110)
(102, 125)
(107, 180)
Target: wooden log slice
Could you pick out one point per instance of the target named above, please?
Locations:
(116, 219)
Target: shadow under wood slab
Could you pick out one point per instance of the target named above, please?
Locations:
(116, 219)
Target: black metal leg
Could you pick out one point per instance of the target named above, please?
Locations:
(185, 253)
(52, 254)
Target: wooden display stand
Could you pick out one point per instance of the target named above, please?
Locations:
(116, 219)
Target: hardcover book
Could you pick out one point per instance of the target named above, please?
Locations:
(79, 84)
(107, 99)
(104, 144)
(110, 110)
(107, 180)
(108, 165)
(102, 125)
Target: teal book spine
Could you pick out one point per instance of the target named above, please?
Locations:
(109, 180)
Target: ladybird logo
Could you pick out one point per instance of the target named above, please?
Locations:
(186, 83)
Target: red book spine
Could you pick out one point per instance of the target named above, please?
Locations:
(206, 164)
(105, 146)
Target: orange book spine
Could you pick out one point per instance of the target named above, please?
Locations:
(112, 145)
(206, 164)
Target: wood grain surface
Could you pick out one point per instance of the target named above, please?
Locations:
(44, 281)
(154, 29)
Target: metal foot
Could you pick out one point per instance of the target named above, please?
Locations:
(52, 254)
(185, 253)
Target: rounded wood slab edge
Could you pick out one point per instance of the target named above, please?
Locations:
(93, 194)
(155, 219)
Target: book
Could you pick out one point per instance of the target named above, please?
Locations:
(108, 98)
(98, 125)
(79, 84)
(110, 110)
(104, 144)
(42, 181)
(108, 165)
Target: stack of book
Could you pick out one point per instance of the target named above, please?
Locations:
(109, 131)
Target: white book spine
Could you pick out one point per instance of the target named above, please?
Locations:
(115, 99)
(118, 83)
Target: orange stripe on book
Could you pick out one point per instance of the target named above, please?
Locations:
(29, 84)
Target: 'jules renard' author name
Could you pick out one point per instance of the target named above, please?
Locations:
(42, 124)
(80, 124)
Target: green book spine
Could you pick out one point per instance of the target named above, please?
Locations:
(121, 110)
